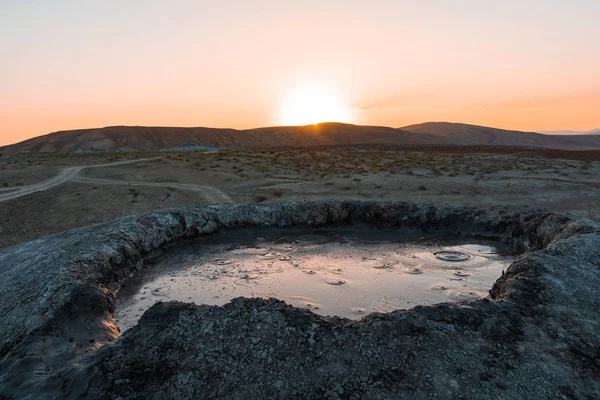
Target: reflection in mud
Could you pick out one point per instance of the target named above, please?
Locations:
(344, 273)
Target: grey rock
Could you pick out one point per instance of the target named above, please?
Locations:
(537, 336)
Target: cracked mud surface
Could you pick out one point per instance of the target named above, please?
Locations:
(536, 336)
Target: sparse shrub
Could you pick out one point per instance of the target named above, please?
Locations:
(422, 188)
(259, 198)
(5, 184)
(278, 193)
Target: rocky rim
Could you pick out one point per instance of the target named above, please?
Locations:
(537, 336)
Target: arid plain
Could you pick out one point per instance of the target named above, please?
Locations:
(41, 194)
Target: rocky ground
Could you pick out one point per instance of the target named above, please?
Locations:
(535, 337)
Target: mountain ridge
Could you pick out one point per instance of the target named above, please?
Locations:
(569, 132)
(466, 134)
(330, 133)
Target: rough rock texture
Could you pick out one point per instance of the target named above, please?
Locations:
(537, 336)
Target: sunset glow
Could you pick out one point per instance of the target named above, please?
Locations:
(312, 105)
(263, 63)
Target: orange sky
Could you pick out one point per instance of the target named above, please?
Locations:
(517, 64)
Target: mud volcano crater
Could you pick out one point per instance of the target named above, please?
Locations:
(536, 334)
(346, 271)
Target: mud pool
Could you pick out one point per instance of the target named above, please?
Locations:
(346, 273)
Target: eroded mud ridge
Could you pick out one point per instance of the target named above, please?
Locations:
(535, 336)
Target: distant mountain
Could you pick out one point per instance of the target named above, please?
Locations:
(464, 134)
(162, 138)
(157, 138)
(592, 132)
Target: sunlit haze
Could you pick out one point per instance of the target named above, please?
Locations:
(310, 104)
(515, 64)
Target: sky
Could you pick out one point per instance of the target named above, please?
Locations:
(515, 64)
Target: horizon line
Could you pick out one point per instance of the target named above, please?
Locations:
(556, 132)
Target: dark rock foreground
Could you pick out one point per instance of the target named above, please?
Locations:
(537, 336)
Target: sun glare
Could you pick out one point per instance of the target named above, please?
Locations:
(307, 106)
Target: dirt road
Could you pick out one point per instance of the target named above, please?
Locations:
(62, 177)
(211, 194)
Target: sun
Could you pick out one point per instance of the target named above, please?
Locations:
(312, 105)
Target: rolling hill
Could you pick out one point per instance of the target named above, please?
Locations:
(158, 138)
(155, 138)
(464, 134)
(592, 132)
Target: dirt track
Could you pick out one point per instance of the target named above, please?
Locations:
(212, 194)
(64, 175)
(72, 174)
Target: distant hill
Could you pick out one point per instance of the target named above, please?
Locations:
(159, 138)
(464, 134)
(592, 132)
